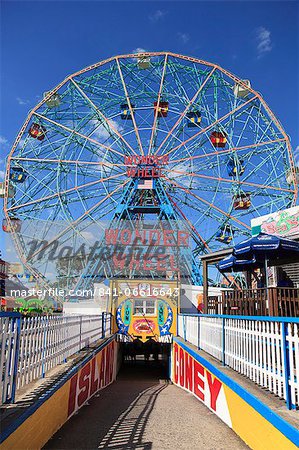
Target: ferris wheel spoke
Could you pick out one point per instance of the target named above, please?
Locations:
(41, 183)
(202, 105)
(201, 221)
(259, 167)
(71, 131)
(205, 138)
(212, 125)
(69, 161)
(193, 229)
(79, 219)
(67, 191)
(225, 152)
(208, 203)
(130, 107)
(103, 117)
(225, 180)
(154, 127)
(182, 115)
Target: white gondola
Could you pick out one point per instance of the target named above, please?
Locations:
(143, 62)
(11, 190)
(240, 91)
(290, 176)
(53, 101)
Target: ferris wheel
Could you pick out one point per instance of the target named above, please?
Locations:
(169, 134)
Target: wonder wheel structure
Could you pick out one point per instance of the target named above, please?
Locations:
(156, 136)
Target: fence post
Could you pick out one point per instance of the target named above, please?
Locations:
(80, 344)
(16, 359)
(103, 324)
(198, 333)
(223, 341)
(286, 360)
(272, 298)
(65, 329)
(44, 347)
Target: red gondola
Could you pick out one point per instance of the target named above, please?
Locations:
(242, 201)
(162, 109)
(218, 139)
(37, 131)
(14, 225)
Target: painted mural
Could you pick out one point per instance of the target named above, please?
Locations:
(145, 309)
(281, 223)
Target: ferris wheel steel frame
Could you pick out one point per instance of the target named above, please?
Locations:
(123, 145)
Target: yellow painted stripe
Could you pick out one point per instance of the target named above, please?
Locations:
(35, 431)
(252, 427)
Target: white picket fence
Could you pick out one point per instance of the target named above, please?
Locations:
(31, 346)
(265, 350)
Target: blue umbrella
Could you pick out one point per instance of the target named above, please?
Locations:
(267, 244)
(232, 264)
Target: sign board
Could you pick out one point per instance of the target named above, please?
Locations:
(283, 223)
(192, 376)
(145, 308)
(96, 374)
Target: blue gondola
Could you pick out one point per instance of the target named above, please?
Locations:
(126, 112)
(193, 119)
(235, 168)
(18, 175)
(225, 234)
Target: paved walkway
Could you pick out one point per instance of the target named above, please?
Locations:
(140, 411)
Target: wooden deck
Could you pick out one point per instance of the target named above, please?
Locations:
(274, 301)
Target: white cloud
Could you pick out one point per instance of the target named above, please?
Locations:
(21, 101)
(296, 155)
(3, 140)
(263, 38)
(101, 132)
(183, 37)
(157, 15)
(138, 50)
(88, 235)
(2, 173)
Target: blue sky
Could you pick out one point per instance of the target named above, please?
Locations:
(43, 42)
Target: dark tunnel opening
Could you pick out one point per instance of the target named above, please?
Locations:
(150, 359)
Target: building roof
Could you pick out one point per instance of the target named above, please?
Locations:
(214, 257)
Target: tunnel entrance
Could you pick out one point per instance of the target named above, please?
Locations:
(146, 359)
